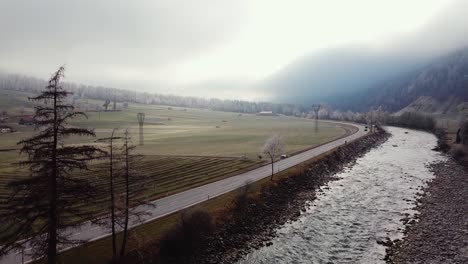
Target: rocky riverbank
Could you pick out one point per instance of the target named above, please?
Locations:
(439, 233)
(253, 223)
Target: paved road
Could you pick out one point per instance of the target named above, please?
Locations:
(179, 201)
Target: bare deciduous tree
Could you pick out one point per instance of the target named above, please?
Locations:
(45, 204)
(114, 105)
(273, 148)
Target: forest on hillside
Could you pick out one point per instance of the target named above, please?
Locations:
(444, 79)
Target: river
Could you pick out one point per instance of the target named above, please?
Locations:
(363, 206)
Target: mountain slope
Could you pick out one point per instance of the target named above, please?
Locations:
(328, 75)
(442, 84)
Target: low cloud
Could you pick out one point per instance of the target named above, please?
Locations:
(104, 41)
(343, 70)
(224, 48)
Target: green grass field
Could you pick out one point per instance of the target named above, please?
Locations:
(187, 132)
(183, 147)
(163, 175)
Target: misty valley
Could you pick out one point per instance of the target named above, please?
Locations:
(239, 132)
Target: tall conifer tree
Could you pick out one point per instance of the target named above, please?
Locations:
(48, 202)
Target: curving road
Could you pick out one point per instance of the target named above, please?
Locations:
(170, 204)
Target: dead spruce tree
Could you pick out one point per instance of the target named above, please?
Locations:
(273, 148)
(48, 202)
(111, 188)
(136, 186)
(127, 157)
(126, 189)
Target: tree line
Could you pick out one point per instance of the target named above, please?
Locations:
(110, 96)
(79, 92)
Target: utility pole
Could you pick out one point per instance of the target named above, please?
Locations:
(316, 109)
(141, 120)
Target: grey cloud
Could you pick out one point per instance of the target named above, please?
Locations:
(94, 34)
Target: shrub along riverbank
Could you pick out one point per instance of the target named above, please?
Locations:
(420, 122)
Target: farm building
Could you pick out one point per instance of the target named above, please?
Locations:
(26, 121)
(266, 113)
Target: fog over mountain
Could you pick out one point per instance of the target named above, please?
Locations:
(440, 87)
(333, 75)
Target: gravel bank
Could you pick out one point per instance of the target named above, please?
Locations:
(439, 233)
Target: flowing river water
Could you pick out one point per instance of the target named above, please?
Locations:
(364, 206)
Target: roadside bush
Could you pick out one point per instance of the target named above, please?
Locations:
(462, 135)
(243, 198)
(421, 122)
(179, 243)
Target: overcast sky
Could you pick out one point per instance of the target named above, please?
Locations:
(217, 48)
